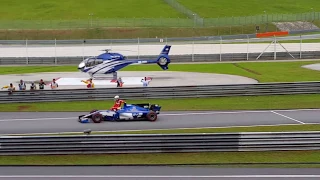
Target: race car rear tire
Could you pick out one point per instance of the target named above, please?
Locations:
(152, 116)
(97, 118)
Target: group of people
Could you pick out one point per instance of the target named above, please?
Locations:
(144, 81)
(54, 84)
(22, 86)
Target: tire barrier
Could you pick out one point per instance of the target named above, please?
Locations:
(162, 92)
(159, 143)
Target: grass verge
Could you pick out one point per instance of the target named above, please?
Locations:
(261, 71)
(207, 9)
(218, 103)
(258, 128)
(166, 158)
(124, 32)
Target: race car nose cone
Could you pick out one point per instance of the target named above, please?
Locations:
(81, 65)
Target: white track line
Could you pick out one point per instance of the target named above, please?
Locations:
(288, 117)
(165, 176)
(173, 114)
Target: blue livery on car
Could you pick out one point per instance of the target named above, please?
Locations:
(144, 111)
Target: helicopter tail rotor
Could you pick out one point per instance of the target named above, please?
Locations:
(106, 50)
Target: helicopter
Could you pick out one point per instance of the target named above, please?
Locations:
(110, 63)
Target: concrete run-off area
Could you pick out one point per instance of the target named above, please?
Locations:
(72, 80)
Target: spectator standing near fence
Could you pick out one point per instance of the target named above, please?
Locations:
(119, 82)
(54, 84)
(22, 85)
(145, 82)
(33, 87)
(41, 84)
(89, 83)
(10, 88)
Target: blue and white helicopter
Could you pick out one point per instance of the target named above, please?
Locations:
(110, 63)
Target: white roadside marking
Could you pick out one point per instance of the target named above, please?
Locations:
(288, 117)
(37, 119)
(137, 130)
(164, 176)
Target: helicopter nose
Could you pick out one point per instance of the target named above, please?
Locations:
(81, 65)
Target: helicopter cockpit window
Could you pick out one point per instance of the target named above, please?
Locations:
(90, 62)
(98, 61)
(93, 62)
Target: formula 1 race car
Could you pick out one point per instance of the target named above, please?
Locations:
(128, 112)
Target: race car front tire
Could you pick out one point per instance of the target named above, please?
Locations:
(97, 118)
(79, 119)
(152, 116)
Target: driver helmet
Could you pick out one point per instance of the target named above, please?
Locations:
(116, 97)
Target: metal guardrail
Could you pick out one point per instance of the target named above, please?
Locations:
(162, 92)
(159, 143)
(123, 41)
(174, 58)
(244, 38)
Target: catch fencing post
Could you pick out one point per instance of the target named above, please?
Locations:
(220, 47)
(300, 46)
(192, 50)
(138, 48)
(275, 48)
(83, 49)
(27, 56)
(55, 51)
(248, 47)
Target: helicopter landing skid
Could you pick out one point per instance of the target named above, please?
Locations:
(105, 76)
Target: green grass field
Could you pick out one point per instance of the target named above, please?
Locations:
(168, 158)
(217, 103)
(228, 8)
(80, 9)
(261, 71)
(70, 19)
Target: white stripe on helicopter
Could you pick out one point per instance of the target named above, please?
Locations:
(103, 66)
(109, 66)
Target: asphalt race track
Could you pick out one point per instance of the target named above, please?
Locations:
(155, 173)
(52, 122)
